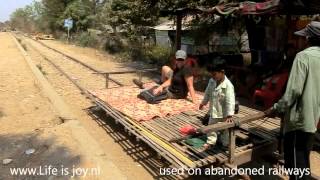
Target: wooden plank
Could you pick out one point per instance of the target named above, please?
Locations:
(162, 130)
(152, 129)
(254, 153)
(225, 125)
(201, 156)
(204, 155)
(232, 144)
(242, 136)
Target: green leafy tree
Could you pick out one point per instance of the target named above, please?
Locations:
(130, 16)
(81, 12)
(52, 12)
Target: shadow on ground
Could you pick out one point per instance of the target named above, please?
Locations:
(137, 150)
(47, 153)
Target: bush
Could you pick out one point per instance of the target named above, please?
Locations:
(153, 54)
(86, 39)
(137, 53)
(133, 50)
(123, 57)
(113, 44)
(62, 36)
(158, 55)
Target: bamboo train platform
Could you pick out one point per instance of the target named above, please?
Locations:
(247, 141)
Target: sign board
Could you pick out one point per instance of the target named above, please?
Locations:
(68, 23)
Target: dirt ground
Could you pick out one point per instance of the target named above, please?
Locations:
(28, 120)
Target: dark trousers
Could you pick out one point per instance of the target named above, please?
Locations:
(297, 147)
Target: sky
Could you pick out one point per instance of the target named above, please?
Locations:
(8, 6)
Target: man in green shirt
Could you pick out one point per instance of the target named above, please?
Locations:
(301, 104)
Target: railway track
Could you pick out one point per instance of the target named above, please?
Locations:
(76, 68)
(67, 67)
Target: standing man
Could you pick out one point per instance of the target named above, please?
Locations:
(301, 104)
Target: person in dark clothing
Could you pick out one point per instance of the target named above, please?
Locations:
(177, 82)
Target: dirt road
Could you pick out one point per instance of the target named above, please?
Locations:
(31, 133)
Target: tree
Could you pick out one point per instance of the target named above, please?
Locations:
(52, 12)
(29, 18)
(131, 16)
(81, 12)
(22, 19)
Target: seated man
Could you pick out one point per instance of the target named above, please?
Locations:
(175, 83)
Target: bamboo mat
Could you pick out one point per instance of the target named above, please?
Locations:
(264, 130)
(125, 100)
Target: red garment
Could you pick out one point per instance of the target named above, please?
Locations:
(272, 90)
(187, 130)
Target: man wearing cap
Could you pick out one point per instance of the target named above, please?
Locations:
(301, 104)
(176, 82)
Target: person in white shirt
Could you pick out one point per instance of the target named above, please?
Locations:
(221, 97)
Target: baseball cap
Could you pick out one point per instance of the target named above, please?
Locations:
(181, 54)
(311, 30)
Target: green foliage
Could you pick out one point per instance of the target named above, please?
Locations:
(150, 54)
(86, 39)
(52, 11)
(158, 55)
(63, 37)
(176, 4)
(131, 17)
(113, 44)
(136, 52)
(81, 13)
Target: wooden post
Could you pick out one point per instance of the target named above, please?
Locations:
(281, 137)
(178, 31)
(140, 76)
(68, 34)
(107, 80)
(232, 145)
